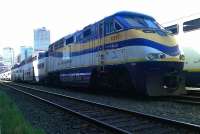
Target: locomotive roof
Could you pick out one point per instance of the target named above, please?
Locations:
(132, 14)
(118, 14)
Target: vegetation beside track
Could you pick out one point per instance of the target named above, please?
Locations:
(11, 120)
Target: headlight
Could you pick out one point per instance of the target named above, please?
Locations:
(155, 56)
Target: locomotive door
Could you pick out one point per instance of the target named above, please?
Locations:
(101, 52)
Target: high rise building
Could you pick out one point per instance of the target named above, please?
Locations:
(8, 56)
(17, 59)
(1, 59)
(2, 66)
(41, 39)
(25, 52)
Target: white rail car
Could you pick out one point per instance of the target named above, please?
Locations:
(187, 32)
(5, 75)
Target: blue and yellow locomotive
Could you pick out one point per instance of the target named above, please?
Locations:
(126, 50)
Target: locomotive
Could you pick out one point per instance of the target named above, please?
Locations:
(127, 50)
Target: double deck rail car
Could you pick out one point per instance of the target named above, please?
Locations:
(16, 73)
(33, 69)
(126, 50)
(5, 75)
(40, 67)
(187, 31)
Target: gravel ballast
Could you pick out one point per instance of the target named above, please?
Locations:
(50, 119)
(172, 110)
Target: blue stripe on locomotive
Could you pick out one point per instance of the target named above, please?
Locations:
(172, 51)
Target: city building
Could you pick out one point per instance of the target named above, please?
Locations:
(25, 52)
(2, 66)
(41, 39)
(8, 56)
(17, 59)
(1, 59)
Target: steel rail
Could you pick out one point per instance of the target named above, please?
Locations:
(97, 122)
(186, 99)
(106, 125)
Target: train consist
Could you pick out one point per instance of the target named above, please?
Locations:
(187, 31)
(127, 50)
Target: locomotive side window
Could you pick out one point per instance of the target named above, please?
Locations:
(112, 29)
(87, 33)
(79, 37)
(173, 29)
(109, 27)
(69, 40)
(96, 31)
(117, 26)
(59, 44)
(191, 25)
(112, 26)
(101, 29)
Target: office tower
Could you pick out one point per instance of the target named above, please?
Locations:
(41, 39)
(25, 52)
(8, 56)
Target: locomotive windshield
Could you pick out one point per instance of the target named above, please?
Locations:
(141, 22)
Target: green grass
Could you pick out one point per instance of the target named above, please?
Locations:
(11, 120)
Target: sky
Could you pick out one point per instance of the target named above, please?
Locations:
(18, 18)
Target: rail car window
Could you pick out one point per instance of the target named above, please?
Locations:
(41, 65)
(51, 48)
(191, 25)
(34, 58)
(173, 28)
(140, 22)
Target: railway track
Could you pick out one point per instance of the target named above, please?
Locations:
(192, 97)
(186, 99)
(193, 91)
(114, 119)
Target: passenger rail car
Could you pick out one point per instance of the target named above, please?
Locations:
(15, 73)
(33, 69)
(40, 67)
(126, 50)
(5, 75)
(187, 31)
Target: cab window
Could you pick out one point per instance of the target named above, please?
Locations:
(141, 22)
(191, 25)
(173, 29)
